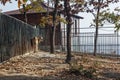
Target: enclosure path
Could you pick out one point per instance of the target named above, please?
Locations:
(40, 63)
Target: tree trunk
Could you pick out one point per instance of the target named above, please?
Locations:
(69, 20)
(53, 29)
(96, 31)
(95, 41)
(52, 39)
(25, 15)
(68, 58)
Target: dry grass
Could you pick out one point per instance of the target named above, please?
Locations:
(45, 66)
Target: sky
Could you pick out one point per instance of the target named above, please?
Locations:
(9, 6)
(84, 22)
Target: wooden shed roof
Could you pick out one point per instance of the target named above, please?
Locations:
(31, 11)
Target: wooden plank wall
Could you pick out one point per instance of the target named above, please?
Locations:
(15, 37)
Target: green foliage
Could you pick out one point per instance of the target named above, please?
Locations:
(99, 9)
(35, 6)
(63, 20)
(43, 21)
(48, 20)
(113, 17)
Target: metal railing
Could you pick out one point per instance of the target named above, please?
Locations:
(107, 44)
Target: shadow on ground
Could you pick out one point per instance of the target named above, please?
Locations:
(112, 75)
(24, 77)
(58, 76)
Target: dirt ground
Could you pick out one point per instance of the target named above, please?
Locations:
(46, 66)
